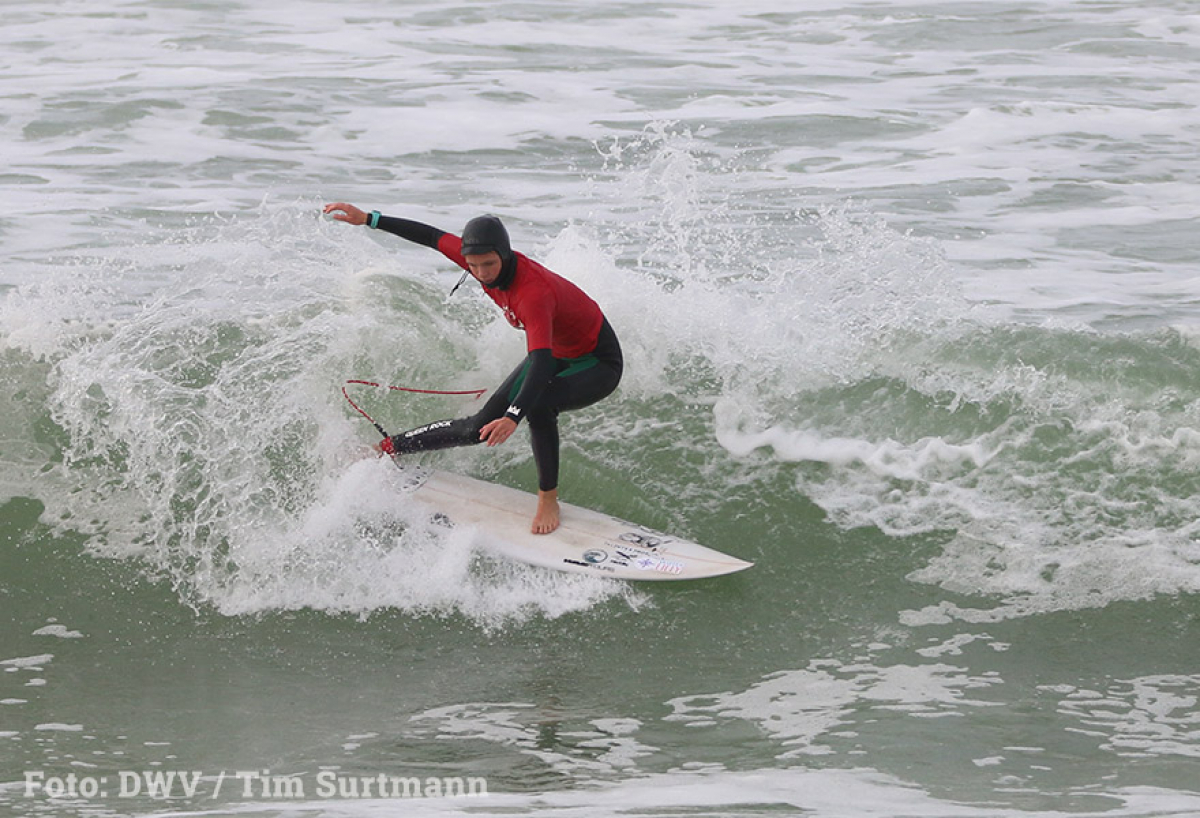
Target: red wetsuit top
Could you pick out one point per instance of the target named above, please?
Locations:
(554, 313)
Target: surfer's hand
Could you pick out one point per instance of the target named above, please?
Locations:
(498, 431)
(346, 213)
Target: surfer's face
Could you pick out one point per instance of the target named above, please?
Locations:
(484, 266)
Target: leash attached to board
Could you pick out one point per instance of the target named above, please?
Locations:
(475, 392)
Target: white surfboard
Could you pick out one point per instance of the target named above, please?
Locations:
(586, 542)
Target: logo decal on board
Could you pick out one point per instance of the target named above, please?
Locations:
(644, 540)
(660, 565)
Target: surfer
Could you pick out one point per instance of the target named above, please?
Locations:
(573, 361)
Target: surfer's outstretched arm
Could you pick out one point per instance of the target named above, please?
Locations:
(416, 232)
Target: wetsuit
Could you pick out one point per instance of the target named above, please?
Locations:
(574, 357)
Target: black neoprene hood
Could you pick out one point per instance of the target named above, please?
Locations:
(483, 234)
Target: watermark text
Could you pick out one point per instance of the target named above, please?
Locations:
(251, 785)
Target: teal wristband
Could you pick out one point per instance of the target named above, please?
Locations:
(373, 221)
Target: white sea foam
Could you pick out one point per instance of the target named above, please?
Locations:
(805, 709)
(27, 662)
(1145, 717)
(222, 103)
(58, 631)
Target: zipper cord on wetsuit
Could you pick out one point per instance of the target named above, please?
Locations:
(454, 289)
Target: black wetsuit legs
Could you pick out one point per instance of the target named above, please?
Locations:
(577, 383)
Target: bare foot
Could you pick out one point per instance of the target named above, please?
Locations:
(546, 518)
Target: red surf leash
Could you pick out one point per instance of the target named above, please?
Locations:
(475, 392)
